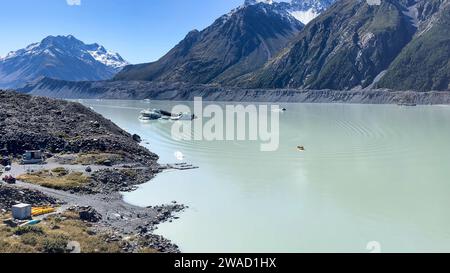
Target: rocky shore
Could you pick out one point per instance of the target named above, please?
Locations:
(28, 122)
(89, 162)
(10, 196)
(139, 90)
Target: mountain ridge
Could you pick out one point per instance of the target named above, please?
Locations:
(235, 44)
(355, 44)
(62, 57)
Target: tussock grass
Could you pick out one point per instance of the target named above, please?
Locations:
(59, 178)
(52, 236)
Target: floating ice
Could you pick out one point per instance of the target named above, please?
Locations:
(179, 155)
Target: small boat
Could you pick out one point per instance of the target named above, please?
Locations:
(37, 211)
(301, 148)
(147, 100)
(30, 223)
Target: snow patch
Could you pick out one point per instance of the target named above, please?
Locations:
(373, 2)
(108, 58)
(413, 14)
(304, 16)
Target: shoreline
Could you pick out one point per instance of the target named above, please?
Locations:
(117, 216)
(139, 90)
(89, 162)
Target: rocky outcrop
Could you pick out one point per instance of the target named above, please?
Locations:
(123, 180)
(28, 123)
(89, 214)
(10, 196)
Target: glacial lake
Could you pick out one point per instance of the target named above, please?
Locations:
(370, 173)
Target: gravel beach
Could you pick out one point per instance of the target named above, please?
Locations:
(68, 132)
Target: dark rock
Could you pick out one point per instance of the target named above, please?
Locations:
(137, 138)
(114, 180)
(79, 130)
(107, 163)
(89, 214)
(10, 196)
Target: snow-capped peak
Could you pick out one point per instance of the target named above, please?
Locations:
(70, 46)
(253, 2)
(302, 10)
(304, 16)
(108, 58)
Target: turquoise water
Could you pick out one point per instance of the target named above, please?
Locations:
(369, 173)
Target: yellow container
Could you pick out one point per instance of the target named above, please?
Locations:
(42, 210)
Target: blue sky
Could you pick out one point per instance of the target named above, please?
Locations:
(140, 30)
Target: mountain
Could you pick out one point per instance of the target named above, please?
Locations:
(397, 44)
(235, 44)
(60, 57)
(347, 46)
(303, 10)
(424, 64)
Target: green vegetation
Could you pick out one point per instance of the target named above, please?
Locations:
(424, 64)
(347, 46)
(52, 235)
(55, 244)
(28, 229)
(59, 178)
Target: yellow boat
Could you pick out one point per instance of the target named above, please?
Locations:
(37, 211)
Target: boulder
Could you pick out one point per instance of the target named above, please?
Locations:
(137, 138)
(89, 214)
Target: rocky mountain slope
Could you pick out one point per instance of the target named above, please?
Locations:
(392, 45)
(60, 57)
(396, 44)
(234, 45)
(424, 64)
(347, 46)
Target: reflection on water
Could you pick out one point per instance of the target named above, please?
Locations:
(369, 173)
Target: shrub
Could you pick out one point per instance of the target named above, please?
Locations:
(29, 239)
(28, 229)
(56, 244)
